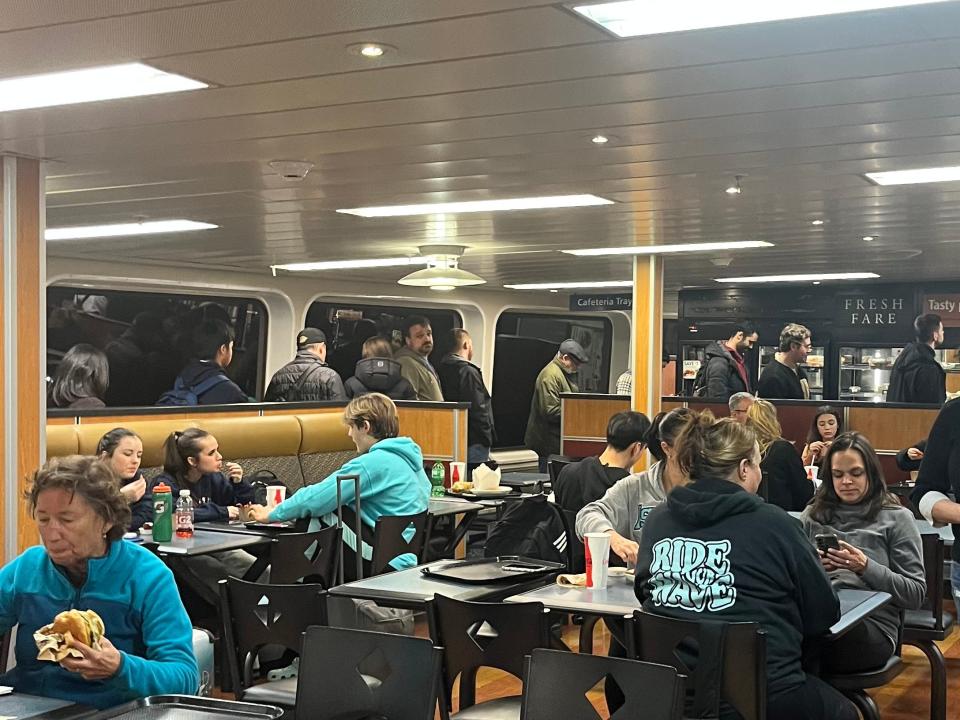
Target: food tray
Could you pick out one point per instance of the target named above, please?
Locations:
(509, 568)
(190, 707)
(470, 495)
(279, 526)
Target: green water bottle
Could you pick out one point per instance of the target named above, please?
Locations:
(162, 513)
(436, 479)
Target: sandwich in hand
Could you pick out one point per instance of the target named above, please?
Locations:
(53, 640)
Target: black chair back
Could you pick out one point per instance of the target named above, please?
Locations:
(255, 615)
(475, 635)
(722, 661)
(305, 557)
(5, 642)
(389, 542)
(933, 557)
(556, 684)
(363, 674)
(556, 463)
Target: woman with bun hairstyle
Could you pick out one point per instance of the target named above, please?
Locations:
(785, 482)
(83, 564)
(122, 449)
(714, 551)
(826, 425)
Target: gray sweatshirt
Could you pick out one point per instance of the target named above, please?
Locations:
(895, 558)
(625, 505)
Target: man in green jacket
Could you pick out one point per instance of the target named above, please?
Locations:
(543, 425)
(414, 365)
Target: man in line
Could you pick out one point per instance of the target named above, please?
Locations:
(739, 403)
(917, 376)
(725, 373)
(462, 381)
(414, 365)
(783, 378)
(307, 376)
(203, 380)
(543, 425)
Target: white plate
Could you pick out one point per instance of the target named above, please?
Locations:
(493, 492)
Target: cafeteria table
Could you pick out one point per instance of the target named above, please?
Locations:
(525, 482)
(20, 706)
(464, 513)
(239, 527)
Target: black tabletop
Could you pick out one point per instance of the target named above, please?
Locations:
(20, 706)
(205, 542)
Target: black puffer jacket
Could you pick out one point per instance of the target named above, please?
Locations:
(380, 375)
(306, 377)
(917, 377)
(462, 381)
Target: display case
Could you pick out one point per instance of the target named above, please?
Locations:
(950, 361)
(813, 367)
(864, 372)
(692, 356)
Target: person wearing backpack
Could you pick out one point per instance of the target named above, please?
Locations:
(724, 372)
(203, 380)
(307, 377)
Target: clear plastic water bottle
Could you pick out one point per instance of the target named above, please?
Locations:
(437, 475)
(184, 515)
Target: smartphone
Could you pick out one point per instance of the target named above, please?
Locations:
(827, 541)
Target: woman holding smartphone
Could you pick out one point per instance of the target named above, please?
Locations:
(866, 541)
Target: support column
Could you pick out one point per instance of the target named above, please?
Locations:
(647, 331)
(22, 343)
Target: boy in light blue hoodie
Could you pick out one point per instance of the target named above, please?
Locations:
(392, 479)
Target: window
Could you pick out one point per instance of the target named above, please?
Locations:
(146, 337)
(525, 343)
(347, 324)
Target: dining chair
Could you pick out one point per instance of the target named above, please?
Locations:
(305, 557)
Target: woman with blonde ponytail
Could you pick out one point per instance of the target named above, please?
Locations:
(785, 482)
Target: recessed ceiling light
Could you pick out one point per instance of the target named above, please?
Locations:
(660, 249)
(915, 177)
(108, 82)
(571, 285)
(371, 50)
(816, 282)
(799, 278)
(529, 203)
(600, 139)
(630, 18)
(816, 222)
(352, 264)
(869, 238)
(154, 227)
(733, 190)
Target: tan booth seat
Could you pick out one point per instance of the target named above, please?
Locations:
(324, 446)
(260, 443)
(62, 440)
(154, 434)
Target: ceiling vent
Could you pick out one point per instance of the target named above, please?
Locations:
(291, 170)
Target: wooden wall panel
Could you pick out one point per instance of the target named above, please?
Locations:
(587, 418)
(583, 448)
(120, 420)
(891, 428)
(433, 430)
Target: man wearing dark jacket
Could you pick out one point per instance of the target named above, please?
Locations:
(725, 373)
(462, 381)
(378, 372)
(588, 480)
(204, 375)
(784, 378)
(917, 377)
(307, 376)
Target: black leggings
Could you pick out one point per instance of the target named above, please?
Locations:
(814, 700)
(864, 648)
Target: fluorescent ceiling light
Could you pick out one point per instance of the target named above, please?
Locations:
(529, 203)
(90, 84)
(799, 278)
(154, 227)
(352, 264)
(660, 249)
(571, 285)
(915, 177)
(631, 18)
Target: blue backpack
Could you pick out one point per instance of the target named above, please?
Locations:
(190, 395)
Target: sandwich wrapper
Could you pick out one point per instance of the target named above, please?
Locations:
(486, 479)
(54, 647)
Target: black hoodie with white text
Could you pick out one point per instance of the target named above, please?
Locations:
(715, 552)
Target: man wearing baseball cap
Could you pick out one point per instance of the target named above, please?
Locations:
(543, 425)
(307, 376)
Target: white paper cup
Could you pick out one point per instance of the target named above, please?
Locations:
(276, 494)
(597, 547)
(813, 471)
(458, 472)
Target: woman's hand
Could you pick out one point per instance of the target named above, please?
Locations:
(132, 492)
(847, 558)
(96, 664)
(625, 549)
(817, 447)
(258, 513)
(233, 471)
(914, 454)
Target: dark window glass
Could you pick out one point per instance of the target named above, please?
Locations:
(525, 343)
(348, 324)
(146, 337)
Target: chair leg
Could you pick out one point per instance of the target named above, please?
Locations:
(865, 704)
(586, 633)
(938, 678)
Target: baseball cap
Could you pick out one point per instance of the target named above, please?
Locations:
(310, 336)
(574, 350)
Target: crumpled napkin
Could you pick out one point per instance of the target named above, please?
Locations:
(485, 479)
(54, 647)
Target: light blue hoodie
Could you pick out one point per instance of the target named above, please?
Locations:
(392, 482)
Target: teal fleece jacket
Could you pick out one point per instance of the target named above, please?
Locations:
(134, 593)
(392, 482)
